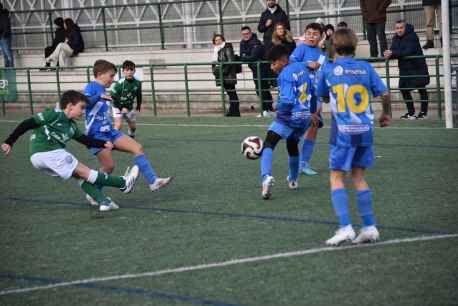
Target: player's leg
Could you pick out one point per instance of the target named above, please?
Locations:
(272, 138)
(407, 96)
(340, 162)
(129, 145)
(364, 158)
(117, 118)
(292, 146)
(307, 150)
(132, 124)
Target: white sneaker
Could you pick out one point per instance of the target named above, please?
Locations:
(108, 206)
(267, 184)
(160, 183)
(292, 184)
(91, 200)
(268, 114)
(342, 234)
(130, 176)
(367, 234)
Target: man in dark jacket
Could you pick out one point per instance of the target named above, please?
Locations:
(269, 18)
(252, 50)
(374, 16)
(413, 72)
(431, 7)
(5, 37)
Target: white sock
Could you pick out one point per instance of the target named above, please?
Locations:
(92, 176)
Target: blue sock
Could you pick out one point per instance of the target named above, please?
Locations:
(306, 152)
(293, 167)
(266, 162)
(364, 199)
(145, 168)
(340, 202)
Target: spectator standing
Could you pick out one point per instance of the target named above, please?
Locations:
(283, 37)
(71, 47)
(251, 51)
(326, 43)
(374, 16)
(59, 37)
(5, 37)
(431, 7)
(270, 17)
(224, 52)
(413, 72)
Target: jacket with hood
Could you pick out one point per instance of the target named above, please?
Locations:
(251, 51)
(5, 24)
(409, 45)
(75, 40)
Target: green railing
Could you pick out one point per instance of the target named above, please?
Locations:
(179, 80)
(219, 23)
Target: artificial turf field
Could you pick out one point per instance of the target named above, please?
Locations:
(213, 213)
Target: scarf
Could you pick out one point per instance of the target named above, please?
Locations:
(216, 50)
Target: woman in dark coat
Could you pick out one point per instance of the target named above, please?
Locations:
(224, 52)
(59, 37)
(72, 45)
(413, 72)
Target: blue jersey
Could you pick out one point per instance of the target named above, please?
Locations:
(295, 89)
(306, 54)
(98, 110)
(350, 85)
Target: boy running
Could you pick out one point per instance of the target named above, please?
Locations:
(52, 129)
(350, 85)
(124, 93)
(292, 120)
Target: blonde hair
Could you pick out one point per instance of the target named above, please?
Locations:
(276, 40)
(344, 41)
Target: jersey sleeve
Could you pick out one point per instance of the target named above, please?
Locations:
(298, 54)
(321, 87)
(91, 94)
(78, 132)
(48, 115)
(116, 94)
(139, 95)
(376, 83)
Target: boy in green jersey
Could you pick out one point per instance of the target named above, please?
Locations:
(52, 129)
(124, 93)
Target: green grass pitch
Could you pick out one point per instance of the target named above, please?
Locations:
(213, 213)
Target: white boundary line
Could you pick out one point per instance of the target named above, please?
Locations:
(244, 125)
(224, 263)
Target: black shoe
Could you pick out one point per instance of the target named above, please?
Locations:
(429, 44)
(422, 115)
(408, 116)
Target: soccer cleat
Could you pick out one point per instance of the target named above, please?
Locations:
(107, 206)
(292, 184)
(268, 114)
(130, 176)
(342, 234)
(160, 183)
(408, 116)
(91, 200)
(422, 115)
(267, 184)
(367, 234)
(308, 171)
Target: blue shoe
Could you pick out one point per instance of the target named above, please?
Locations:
(308, 171)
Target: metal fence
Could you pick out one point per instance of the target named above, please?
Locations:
(189, 87)
(187, 23)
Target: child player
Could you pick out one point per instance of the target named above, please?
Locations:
(99, 125)
(311, 54)
(124, 93)
(52, 129)
(350, 85)
(292, 120)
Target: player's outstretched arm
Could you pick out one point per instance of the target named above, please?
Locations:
(23, 127)
(385, 118)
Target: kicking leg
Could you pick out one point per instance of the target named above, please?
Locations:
(271, 141)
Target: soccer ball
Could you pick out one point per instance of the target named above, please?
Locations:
(252, 147)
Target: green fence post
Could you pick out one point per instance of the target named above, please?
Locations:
(221, 85)
(58, 80)
(186, 86)
(438, 89)
(259, 81)
(387, 76)
(153, 91)
(105, 29)
(161, 27)
(220, 12)
(51, 27)
(88, 75)
(29, 88)
(287, 8)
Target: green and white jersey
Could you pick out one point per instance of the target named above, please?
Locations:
(124, 93)
(54, 132)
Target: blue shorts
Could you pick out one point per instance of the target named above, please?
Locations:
(286, 132)
(346, 158)
(112, 136)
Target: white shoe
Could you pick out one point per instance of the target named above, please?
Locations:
(342, 234)
(108, 206)
(259, 116)
(91, 200)
(160, 183)
(268, 114)
(130, 176)
(267, 184)
(292, 184)
(367, 234)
